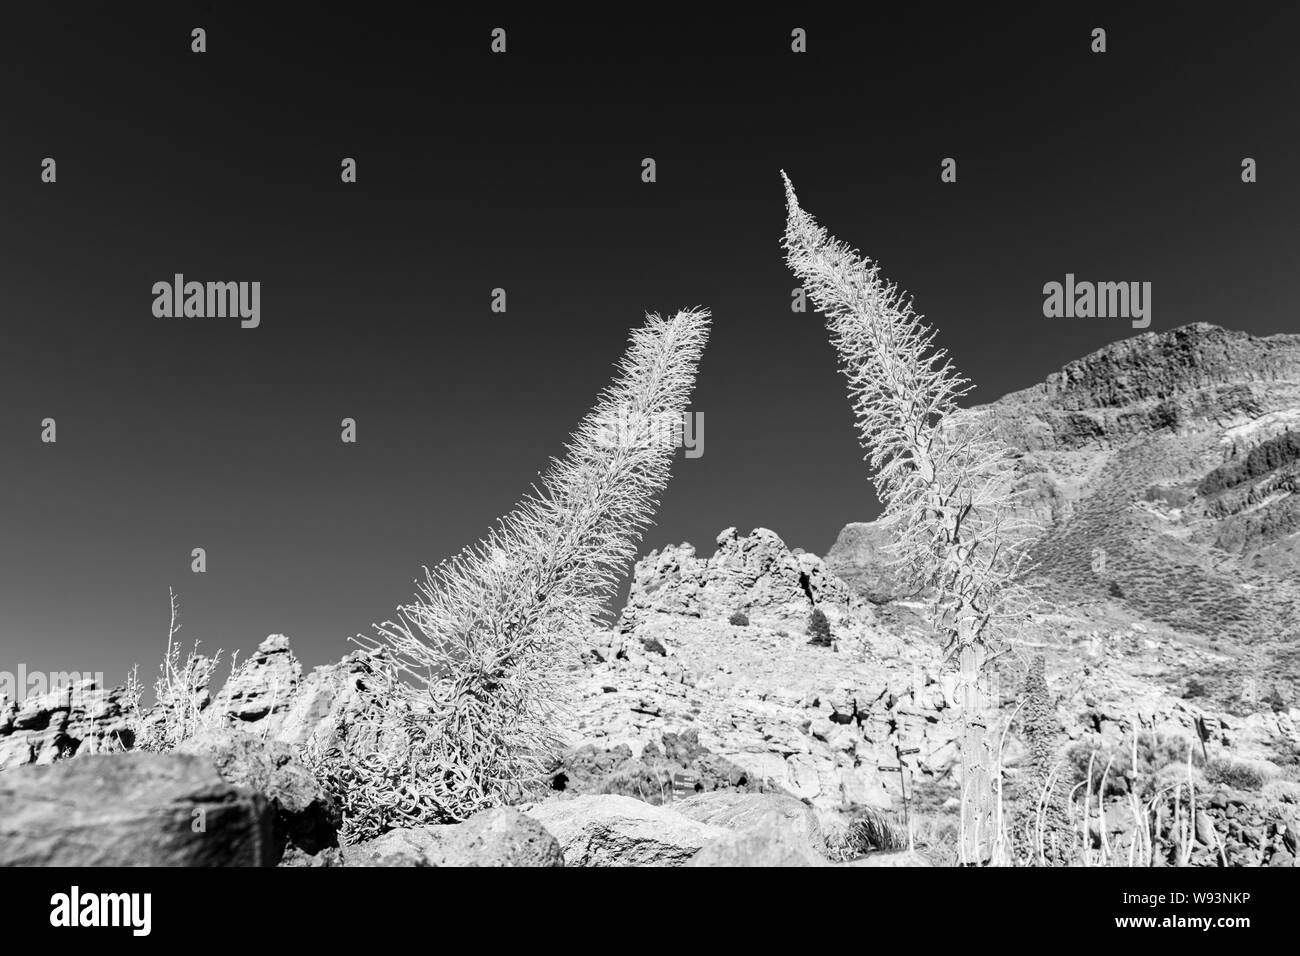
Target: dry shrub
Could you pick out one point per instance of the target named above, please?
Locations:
(1238, 773)
(182, 702)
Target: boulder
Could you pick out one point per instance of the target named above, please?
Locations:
(610, 830)
(498, 837)
(769, 844)
(742, 812)
(890, 858)
(132, 809)
(305, 815)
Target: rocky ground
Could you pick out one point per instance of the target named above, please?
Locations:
(705, 729)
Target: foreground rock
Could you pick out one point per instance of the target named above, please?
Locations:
(768, 845)
(765, 829)
(742, 812)
(305, 816)
(134, 809)
(499, 837)
(610, 830)
(891, 858)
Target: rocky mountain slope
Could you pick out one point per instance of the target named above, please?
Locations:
(1163, 471)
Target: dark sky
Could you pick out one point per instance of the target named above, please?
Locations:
(523, 171)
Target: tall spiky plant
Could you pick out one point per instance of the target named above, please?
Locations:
(943, 481)
(482, 655)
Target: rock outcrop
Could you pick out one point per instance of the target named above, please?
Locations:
(78, 718)
(754, 573)
(268, 696)
(262, 687)
(861, 560)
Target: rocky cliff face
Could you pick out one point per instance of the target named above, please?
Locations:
(1189, 378)
(270, 696)
(80, 718)
(267, 695)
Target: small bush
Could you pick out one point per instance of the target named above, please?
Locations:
(739, 619)
(1194, 688)
(819, 629)
(1168, 753)
(1236, 773)
(863, 830)
(639, 781)
(651, 646)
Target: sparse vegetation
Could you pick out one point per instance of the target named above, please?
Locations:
(181, 692)
(1237, 773)
(1265, 457)
(860, 831)
(738, 619)
(1137, 763)
(1151, 784)
(819, 629)
(653, 646)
